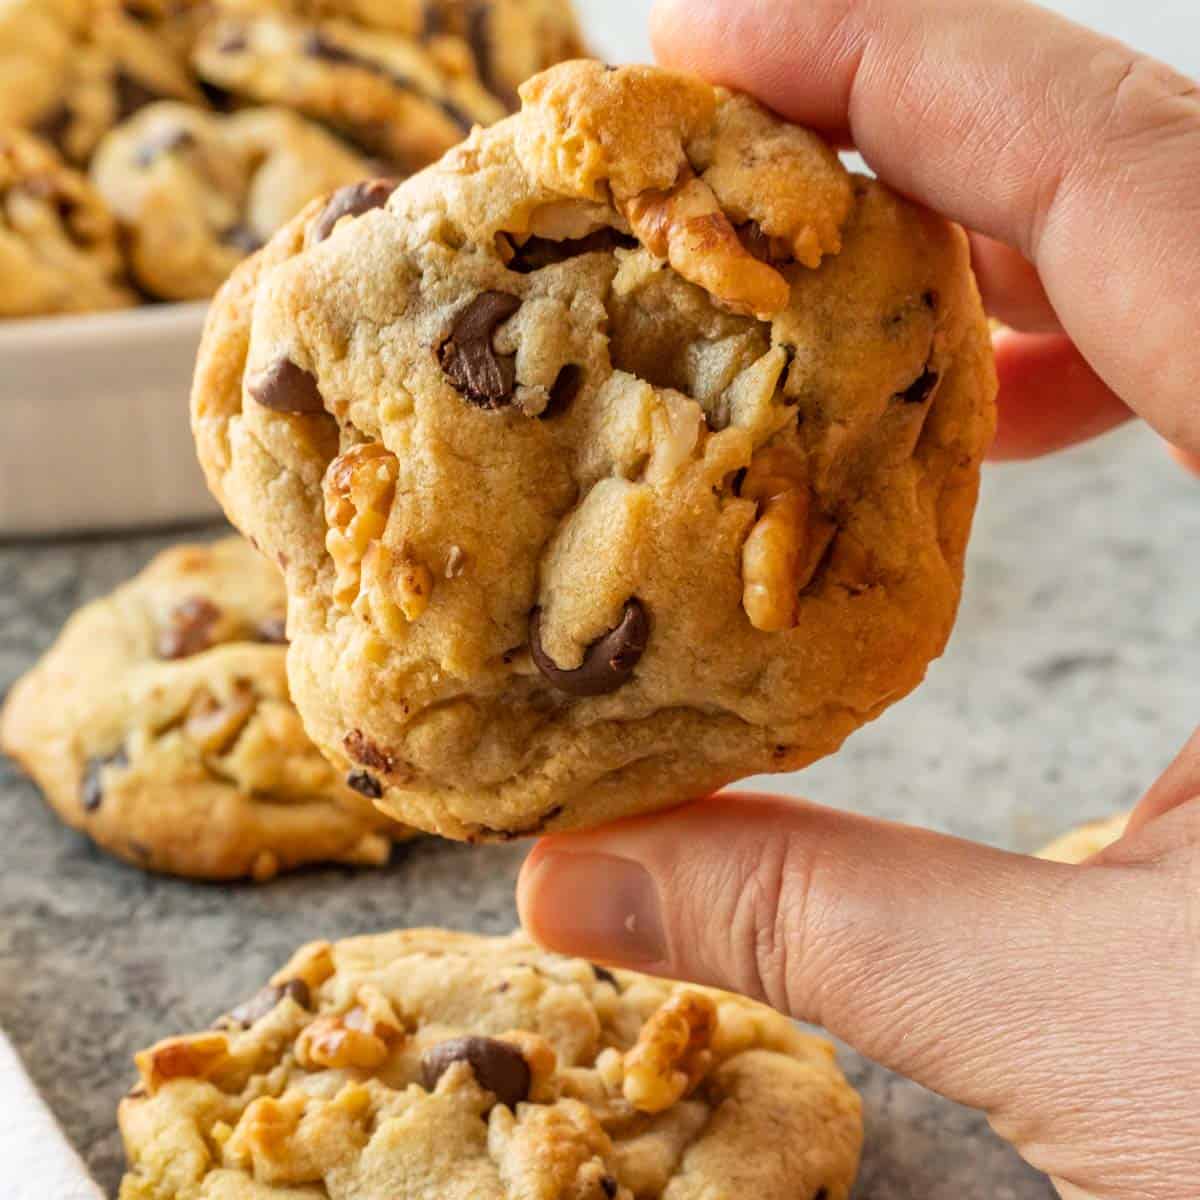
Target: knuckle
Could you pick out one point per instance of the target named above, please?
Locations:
(1145, 100)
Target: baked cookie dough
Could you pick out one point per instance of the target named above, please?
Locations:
(393, 96)
(160, 725)
(1087, 841)
(197, 192)
(631, 449)
(423, 1064)
(58, 241)
(70, 70)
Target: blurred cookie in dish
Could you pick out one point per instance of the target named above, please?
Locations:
(160, 725)
(198, 191)
(70, 70)
(58, 241)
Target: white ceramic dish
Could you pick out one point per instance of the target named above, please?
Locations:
(94, 422)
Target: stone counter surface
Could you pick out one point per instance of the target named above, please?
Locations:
(1071, 681)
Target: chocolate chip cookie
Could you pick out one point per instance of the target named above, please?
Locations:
(631, 449)
(1087, 841)
(58, 241)
(160, 726)
(197, 192)
(423, 1064)
(72, 69)
(392, 96)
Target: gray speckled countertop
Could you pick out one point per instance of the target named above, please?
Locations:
(1070, 682)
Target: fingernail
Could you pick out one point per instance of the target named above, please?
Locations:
(595, 906)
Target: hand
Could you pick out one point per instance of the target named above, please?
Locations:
(1065, 1002)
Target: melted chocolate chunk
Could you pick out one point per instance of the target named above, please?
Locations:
(365, 784)
(286, 387)
(264, 1002)
(485, 378)
(609, 1186)
(564, 391)
(604, 975)
(920, 389)
(539, 252)
(609, 661)
(367, 753)
(351, 201)
(500, 1068)
(91, 787)
(190, 629)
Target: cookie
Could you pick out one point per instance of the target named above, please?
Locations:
(58, 241)
(160, 725)
(423, 1064)
(1087, 841)
(73, 69)
(197, 191)
(631, 449)
(391, 96)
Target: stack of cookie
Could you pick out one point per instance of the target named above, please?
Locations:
(137, 161)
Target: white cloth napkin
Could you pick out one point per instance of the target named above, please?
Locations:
(36, 1160)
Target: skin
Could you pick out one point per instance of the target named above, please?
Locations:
(1063, 1001)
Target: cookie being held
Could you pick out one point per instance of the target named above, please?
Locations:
(196, 192)
(160, 725)
(1078, 845)
(630, 449)
(423, 1063)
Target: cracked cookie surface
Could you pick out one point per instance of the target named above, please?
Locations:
(58, 241)
(161, 726)
(196, 192)
(70, 70)
(424, 1063)
(630, 449)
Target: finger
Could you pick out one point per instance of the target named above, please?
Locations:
(1050, 398)
(1178, 785)
(1011, 289)
(1064, 144)
(1187, 459)
(933, 956)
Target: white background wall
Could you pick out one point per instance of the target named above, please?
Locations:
(1169, 29)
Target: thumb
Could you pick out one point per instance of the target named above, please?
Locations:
(943, 960)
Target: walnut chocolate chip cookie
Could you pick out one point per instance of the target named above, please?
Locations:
(197, 192)
(1088, 840)
(72, 69)
(160, 726)
(631, 449)
(423, 1064)
(58, 241)
(392, 96)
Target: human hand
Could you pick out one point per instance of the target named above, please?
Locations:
(1063, 1001)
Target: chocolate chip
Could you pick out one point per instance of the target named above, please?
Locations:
(539, 252)
(499, 1068)
(920, 389)
(131, 94)
(367, 753)
(609, 661)
(190, 630)
(608, 1185)
(365, 784)
(351, 201)
(218, 97)
(243, 238)
(821, 1194)
(91, 787)
(485, 378)
(273, 631)
(563, 392)
(288, 388)
(265, 1001)
(929, 299)
(163, 142)
(604, 975)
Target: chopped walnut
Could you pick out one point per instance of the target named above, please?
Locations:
(687, 227)
(782, 551)
(672, 1053)
(361, 1038)
(199, 1056)
(388, 587)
